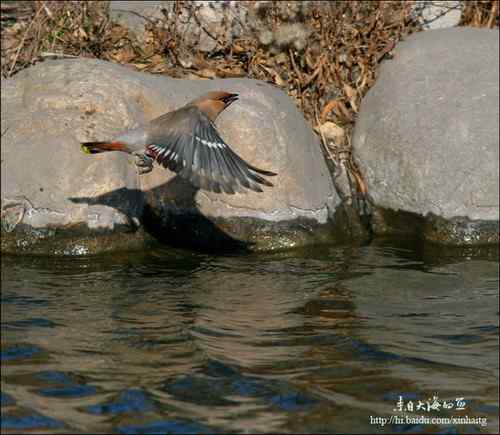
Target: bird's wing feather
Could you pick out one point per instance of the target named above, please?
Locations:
(196, 152)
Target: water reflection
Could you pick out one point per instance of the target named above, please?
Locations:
(312, 341)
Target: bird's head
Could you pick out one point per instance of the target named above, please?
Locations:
(213, 103)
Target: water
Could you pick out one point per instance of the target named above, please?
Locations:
(319, 341)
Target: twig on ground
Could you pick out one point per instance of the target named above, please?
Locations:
(21, 44)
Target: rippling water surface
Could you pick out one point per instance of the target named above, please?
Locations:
(330, 340)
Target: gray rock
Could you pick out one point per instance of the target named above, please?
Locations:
(427, 138)
(292, 35)
(136, 14)
(48, 183)
(205, 25)
(438, 14)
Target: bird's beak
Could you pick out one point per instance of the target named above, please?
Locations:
(230, 99)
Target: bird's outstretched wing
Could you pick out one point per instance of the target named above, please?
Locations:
(198, 154)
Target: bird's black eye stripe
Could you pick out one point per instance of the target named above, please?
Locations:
(230, 98)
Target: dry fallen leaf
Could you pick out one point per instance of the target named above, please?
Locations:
(237, 48)
(327, 109)
(158, 67)
(141, 66)
(235, 71)
(206, 73)
(338, 108)
(117, 33)
(332, 131)
(124, 55)
(274, 74)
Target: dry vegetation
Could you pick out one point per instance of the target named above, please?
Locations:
(481, 13)
(327, 76)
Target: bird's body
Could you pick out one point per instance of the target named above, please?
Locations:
(186, 141)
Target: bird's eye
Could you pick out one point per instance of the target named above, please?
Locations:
(230, 98)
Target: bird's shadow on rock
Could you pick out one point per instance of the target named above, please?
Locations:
(170, 215)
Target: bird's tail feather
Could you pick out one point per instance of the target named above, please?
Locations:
(262, 171)
(101, 147)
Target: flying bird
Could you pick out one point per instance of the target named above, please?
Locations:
(187, 142)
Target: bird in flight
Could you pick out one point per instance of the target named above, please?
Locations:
(187, 142)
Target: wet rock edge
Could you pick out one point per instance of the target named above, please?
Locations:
(458, 231)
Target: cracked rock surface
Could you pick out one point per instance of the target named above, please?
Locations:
(48, 183)
(427, 138)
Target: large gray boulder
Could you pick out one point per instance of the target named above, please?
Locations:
(427, 138)
(50, 188)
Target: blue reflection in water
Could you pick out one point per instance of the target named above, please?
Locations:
(128, 401)
(64, 385)
(226, 381)
(55, 377)
(6, 399)
(70, 391)
(293, 401)
(19, 351)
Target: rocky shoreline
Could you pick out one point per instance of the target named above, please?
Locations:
(427, 147)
